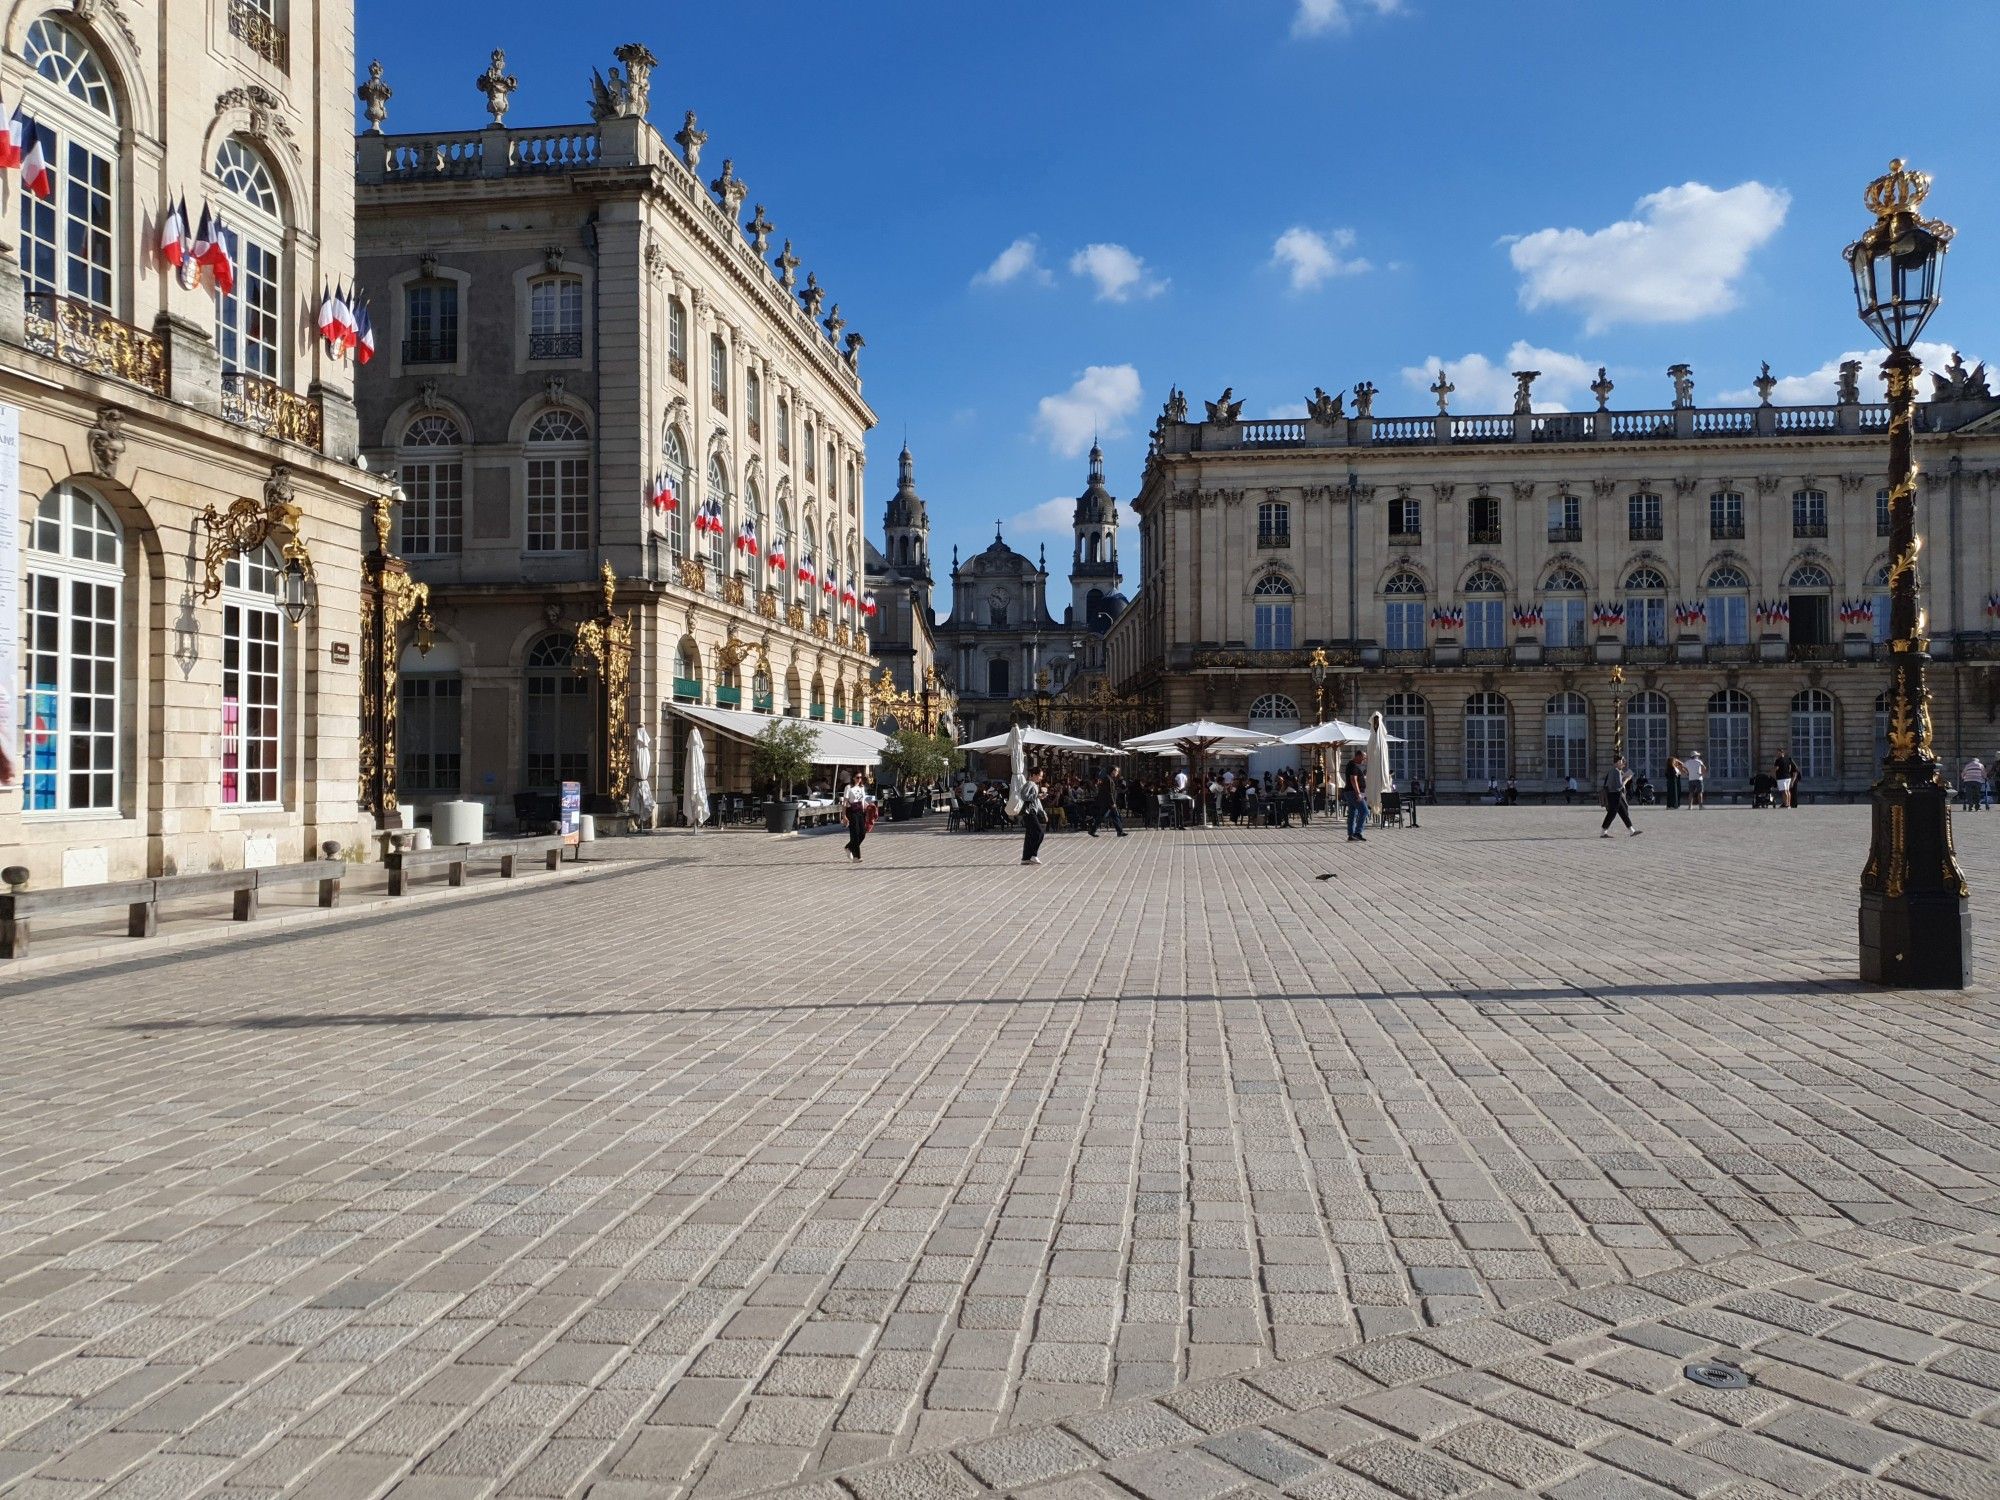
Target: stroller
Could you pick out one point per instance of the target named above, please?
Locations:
(1642, 793)
(1762, 786)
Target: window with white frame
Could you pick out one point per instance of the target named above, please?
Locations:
(555, 318)
(812, 466)
(1729, 735)
(1882, 512)
(781, 578)
(1406, 517)
(719, 540)
(1645, 608)
(558, 483)
(1407, 718)
(556, 737)
(430, 322)
(253, 680)
(1809, 513)
(1566, 737)
(1272, 601)
(1643, 518)
(1563, 608)
(1879, 598)
(753, 512)
(1812, 733)
(718, 372)
(677, 339)
(1485, 737)
(1274, 524)
(784, 429)
(1485, 603)
(1725, 516)
(1565, 518)
(432, 473)
(1646, 734)
(1404, 608)
(674, 456)
(428, 747)
(753, 404)
(67, 239)
(69, 710)
(1274, 707)
(252, 336)
(1728, 605)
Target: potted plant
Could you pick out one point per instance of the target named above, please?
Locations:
(782, 756)
(917, 759)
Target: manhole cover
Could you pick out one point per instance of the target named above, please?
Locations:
(1717, 1375)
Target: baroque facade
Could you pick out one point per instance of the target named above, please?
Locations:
(593, 358)
(903, 632)
(1479, 577)
(1002, 644)
(186, 443)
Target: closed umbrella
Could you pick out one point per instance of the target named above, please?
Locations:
(642, 775)
(1017, 766)
(694, 793)
(1379, 780)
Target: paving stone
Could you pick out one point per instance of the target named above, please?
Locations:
(928, 1476)
(1520, 1458)
(1264, 1456)
(1412, 1472)
(1017, 1459)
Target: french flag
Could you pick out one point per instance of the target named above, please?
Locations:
(13, 135)
(329, 316)
(36, 177)
(806, 568)
(174, 235)
(660, 494)
(826, 584)
(847, 592)
(364, 343)
(868, 605)
(776, 554)
(350, 320)
(746, 539)
(212, 251)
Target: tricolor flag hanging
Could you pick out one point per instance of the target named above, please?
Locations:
(826, 584)
(660, 494)
(364, 344)
(36, 178)
(868, 605)
(746, 539)
(212, 251)
(329, 316)
(806, 574)
(350, 323)
(174, 235)
(708, 520)
(776, 554)
(13, 134)
(847, 590)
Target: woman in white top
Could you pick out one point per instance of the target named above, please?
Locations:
(854, 807)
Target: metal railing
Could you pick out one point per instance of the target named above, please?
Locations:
(267, 407)
(91, 339)
(555, 345)
(261, 33)
(1406, 538)
(1646, 531)
(1808, 528)
(1274, 539)
(1483, 536)
(1565, 533)
(425, 349)
(687, 689)
(1725, 531)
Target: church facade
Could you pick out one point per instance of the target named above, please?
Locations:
(1511, 589)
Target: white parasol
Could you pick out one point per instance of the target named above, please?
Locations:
(1379, 780)
(642, 776)
(1046, 739)
(1332, 732)
(694, 786)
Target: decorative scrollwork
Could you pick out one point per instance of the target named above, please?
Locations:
(604, 651)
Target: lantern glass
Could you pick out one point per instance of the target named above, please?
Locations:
(1896, 272)
(426, 635)
(292, 590)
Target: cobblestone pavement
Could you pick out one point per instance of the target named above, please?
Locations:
(1164, 1169)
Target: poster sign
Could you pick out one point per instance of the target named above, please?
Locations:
(10, 578)
(572, 812)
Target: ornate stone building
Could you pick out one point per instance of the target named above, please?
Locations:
(1477, 578)
(1001, 643)
(903, 631)
(594, 356)
(186, 443)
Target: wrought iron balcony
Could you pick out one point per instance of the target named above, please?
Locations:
(754, 427)
(1274, 539)
(1815, 651)
(1808, 528)
(719, 397)
(1565, 533)
(251, 25)
(677, 366)
(555, 345)
(91, 339)
(430, 349)
(1725, 531)
(1647, 531)
(1483, 536)
(267, 407)
(1406, 538)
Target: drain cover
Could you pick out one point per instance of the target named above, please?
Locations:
(1717, 1375)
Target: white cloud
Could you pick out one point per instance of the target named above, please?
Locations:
(1120, 275)
(1677, 259)
(1100, 401)
(1048, 517)
(1485, 386)
(1311, 258)
(1319, 17)
(1284, 410)
(1819, 387)
(1020, 261)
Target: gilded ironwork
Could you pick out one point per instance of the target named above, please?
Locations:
(767, 605)
(734, 592)
(693, 574)
(267, 407)
(90, 339)
(390, 599)
(260, 33)
(247, 525)
(820, 629)
(1618, 713)
(604, 652)
(843, 637)
(795, 616)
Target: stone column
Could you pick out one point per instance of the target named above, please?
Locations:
(194, 365)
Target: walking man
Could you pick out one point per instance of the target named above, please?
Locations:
(1616, 780)
(1034, 819)
(1697, 773)
(1105, 803)
(1354, 790)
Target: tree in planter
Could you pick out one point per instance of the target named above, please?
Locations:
(783, 755)
(918, 759)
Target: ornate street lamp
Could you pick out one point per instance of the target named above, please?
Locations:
(1319, 684)
(1617, 714)
(604, 651)
(389, 597)
(1916, 919)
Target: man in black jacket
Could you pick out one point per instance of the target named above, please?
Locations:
(1104, 803)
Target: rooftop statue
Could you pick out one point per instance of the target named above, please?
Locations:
(1222, 409)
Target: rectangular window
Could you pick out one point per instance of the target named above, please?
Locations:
(558, 504)
(753, 406)
(677, 339)
(1728, 619)
(1406, 519)
(1485, 747)
(1482, 518)
(430, 323)
(1643, 515)
(1725, 517)
(1563, 615)
(555, 319)
(1645, 621)
(1809, 513)
(1274, 525)
(1728, 746)
(1565, 518)
(1484, 627)
(251, 686)
(69, 706)
(1812, 620)
(249, 314)
(427, 736)
(1881, 513)
(433, 510)
(718, 374)
(1274, 627)
(88, 187)
(1406, 625)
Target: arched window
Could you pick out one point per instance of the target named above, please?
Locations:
(70, 708)
(1647, 734)
(753, 512)
(1812, 734)
(1645, 608)
(1566, 737)
(558, 483)
(1485, 737)
(1562, 609)
(996, 677)
(1407, 717)
(1729, 735)
(1274, 706)
(555, 317)
(794, 705)
(1485, 604)
(252, 336)
(812, 467)
(677, 339)
(432, 473)
(719, 501)
(1404, 609)
(781, 533)
(674, 456)
(1810, 576)
(1810, 605)
(556, 741)
(1273, 608)
(816, 708)
(687, 672)
(1728, 606)
(253, 682)
(67, 239)
(718, 373)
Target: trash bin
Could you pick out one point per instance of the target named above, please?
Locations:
(458, 822)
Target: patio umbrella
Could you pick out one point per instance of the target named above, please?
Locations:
(642, 775)
(1017, 764)
(1199, 735)
(694, 786)
(1046, 739)
(1379, 780)
(1332, 732)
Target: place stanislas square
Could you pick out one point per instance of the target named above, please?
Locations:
(1218, 1161)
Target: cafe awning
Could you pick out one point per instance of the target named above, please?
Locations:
(835, 744)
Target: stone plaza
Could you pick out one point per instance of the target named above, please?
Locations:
(1224, 1162)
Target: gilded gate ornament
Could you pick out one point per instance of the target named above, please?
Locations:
(604, 651)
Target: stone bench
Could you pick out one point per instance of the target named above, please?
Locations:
(142, 898)
(402, 864)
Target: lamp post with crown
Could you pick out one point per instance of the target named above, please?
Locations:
(1916, 919)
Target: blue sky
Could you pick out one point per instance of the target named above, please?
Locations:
(1043, 215)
